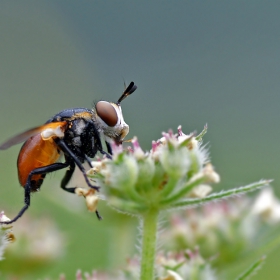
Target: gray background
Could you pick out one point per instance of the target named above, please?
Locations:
(194, 62)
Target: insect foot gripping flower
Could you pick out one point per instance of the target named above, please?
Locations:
(90, 196)
(6, 235)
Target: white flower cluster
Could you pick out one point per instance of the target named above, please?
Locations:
(177, 167)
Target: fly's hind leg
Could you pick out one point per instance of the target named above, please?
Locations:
(27, 187)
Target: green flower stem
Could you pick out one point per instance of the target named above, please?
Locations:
(220, 195)
(149, 239)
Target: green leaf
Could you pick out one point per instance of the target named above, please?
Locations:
(252, 269)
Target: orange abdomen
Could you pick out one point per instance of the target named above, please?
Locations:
(35, 153)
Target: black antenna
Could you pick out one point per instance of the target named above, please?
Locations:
(128, 91)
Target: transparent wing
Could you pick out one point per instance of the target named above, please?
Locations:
(29, 133)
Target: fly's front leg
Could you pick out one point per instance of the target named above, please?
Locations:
(66, 179)
(109, 148)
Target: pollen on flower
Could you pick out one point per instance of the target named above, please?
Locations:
(90, 196)
(80, 191)
(91, 202)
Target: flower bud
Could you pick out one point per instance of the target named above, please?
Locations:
(121, 174)
(146, 167)
(175, 161)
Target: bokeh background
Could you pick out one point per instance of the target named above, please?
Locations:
(194, 62)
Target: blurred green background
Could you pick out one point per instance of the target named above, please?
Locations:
(194, 62)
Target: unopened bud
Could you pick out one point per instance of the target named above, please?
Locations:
(211, 175)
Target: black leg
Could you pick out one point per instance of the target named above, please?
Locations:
(98, 215)
(66, 180)
(74, 160)
(106, 154)
(88, 160)
(27, 187)
(68, 152)
(109, 149)
(67, 177)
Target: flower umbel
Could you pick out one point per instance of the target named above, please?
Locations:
(176, 167)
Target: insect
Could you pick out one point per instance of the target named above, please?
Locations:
(76, 133)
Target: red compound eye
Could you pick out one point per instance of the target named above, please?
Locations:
(107, 113)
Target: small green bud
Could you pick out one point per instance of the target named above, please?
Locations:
(146, 171)
(175, 160)
(123, 173)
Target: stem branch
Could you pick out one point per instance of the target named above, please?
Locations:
(220, 195)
